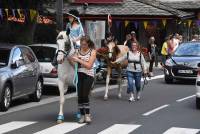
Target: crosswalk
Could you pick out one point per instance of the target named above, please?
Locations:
(71, 126)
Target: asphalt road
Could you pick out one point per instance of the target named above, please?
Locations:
(164, 108)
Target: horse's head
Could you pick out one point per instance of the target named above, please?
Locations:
(113, 51)
(65, 46)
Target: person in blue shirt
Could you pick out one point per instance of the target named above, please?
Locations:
(74, 27)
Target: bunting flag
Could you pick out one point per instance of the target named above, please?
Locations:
(26, 15)
(19, 12)
(118, 24)
(136, 24)
(189, 23)
(1, 14)
(23, 16)
(145, 24)
(155, 23)
(184, 24)
(6, 12)
(198, 22)
(126, 23)
(13, 11)
(164, 21)
(33, 14)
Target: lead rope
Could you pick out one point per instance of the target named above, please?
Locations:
(145, 81)
(75, 81)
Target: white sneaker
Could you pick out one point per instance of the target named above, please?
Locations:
(88, 118)
(138, 95)
(82, 119)
(131, 99)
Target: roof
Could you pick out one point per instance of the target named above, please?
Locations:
(128, 7)
(182, 4)
(163, 6)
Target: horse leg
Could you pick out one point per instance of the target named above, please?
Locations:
(107, 83)
(120, 83)
(61, 87)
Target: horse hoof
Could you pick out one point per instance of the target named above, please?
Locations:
(105, 98)
(119, 96)
(60, 119)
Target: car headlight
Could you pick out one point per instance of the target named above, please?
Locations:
(169, 62)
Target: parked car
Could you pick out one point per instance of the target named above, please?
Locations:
(101, 72)
(45, 54)
(183, 63)
(20, 75)
(198, 89)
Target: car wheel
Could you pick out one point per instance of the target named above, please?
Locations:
(37, 95)
(168, 80)
(197, 103)
(6, 98)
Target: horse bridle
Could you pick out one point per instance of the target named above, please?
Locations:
(64, 52)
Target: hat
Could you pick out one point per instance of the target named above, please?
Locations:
(74, 13)
(133, 32)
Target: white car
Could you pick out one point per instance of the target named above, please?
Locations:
(198, 90)
(45, 54)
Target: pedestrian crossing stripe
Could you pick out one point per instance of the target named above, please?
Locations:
(176, 130)
(14, 125)
(71, 126)
(120, 129)
(61, 128)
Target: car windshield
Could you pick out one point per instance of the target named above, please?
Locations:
(44, 54)
(188, 49)
(4, 57)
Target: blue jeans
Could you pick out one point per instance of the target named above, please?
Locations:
(131, 76)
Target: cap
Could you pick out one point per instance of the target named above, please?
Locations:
(74, 13)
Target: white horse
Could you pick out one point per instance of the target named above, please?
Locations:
(65, 69)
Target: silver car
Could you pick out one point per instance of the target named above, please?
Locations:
(20, 75)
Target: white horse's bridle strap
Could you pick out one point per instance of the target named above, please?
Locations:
(63, 52)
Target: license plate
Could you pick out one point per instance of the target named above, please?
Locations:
(185, 71)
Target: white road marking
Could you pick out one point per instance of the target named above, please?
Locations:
(186, 98)
(155, 110)
(61, 128)
(120, 129)
(14, 125)
(176, 130)
(68, 96)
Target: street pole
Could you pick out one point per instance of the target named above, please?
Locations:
(59, 14)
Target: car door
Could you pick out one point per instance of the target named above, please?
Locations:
(19, 72)
(32, 69)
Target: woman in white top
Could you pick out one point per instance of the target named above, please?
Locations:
(85, 58)
(136, 65)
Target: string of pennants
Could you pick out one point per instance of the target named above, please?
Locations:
(155, 23)
(22, 15)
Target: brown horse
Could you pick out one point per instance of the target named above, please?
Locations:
(110, 53)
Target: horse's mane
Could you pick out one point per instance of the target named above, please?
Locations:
(116, 50)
